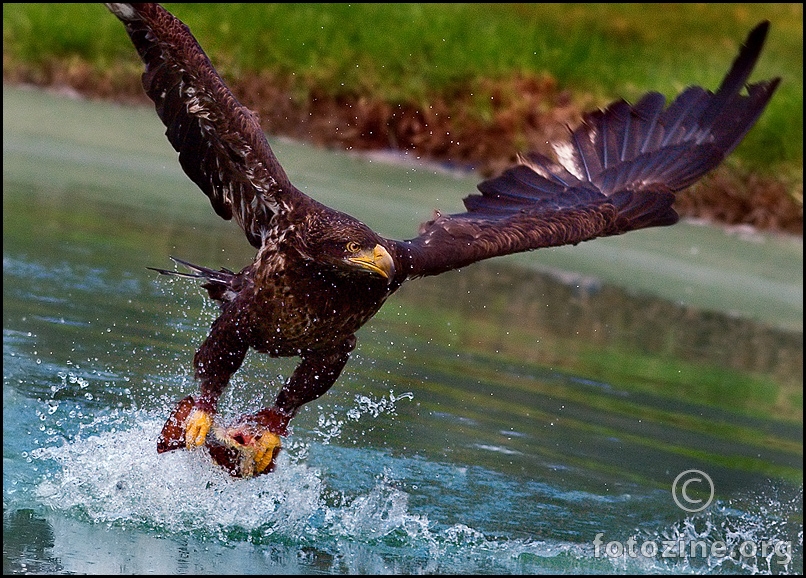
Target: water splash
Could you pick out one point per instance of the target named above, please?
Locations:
(110, 476)
(116, 479)
(329, 426)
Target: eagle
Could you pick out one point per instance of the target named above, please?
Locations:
(319, 274)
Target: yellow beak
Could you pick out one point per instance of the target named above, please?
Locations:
(377, 261)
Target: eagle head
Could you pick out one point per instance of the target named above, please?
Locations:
(346, 244)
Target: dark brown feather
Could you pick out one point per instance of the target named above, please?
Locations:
(220, 143)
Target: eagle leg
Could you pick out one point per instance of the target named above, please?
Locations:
(316, 373)
(250, 446)
(172, 436)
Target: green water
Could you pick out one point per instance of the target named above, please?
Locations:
(492, 420)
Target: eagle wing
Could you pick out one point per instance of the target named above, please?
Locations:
(220, 143)
(617, 172)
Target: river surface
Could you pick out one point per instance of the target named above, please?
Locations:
(528, 414)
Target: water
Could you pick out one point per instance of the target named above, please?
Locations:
(492, 420)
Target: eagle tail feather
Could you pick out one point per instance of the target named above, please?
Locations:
(220, 284)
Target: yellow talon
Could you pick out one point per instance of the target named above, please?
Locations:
(254, 456)
(265, 448)
(196, 428)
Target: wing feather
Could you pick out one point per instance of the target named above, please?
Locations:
(220, 143)
(617, 172)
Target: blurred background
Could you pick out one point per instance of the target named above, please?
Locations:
(469, 85)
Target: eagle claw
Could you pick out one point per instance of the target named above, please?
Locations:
(197, 427)
(256, 447)
(245, 449)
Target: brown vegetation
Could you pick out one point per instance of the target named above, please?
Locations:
(483, 126)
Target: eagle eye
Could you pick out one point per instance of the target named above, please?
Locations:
(353, 247)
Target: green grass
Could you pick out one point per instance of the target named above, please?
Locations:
(411, 52)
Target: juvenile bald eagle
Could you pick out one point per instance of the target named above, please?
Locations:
(319, 274)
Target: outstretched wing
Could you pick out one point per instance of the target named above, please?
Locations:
(617, 172)
(220, 143)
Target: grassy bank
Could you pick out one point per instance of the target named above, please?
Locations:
(485, 80)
